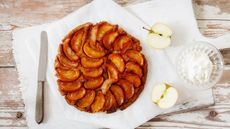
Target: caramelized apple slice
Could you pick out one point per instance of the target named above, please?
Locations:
(122, 42)
(118, 93)
(87, 100)
(134, 68)
(91, 52)
(118, 61)
(106, 85)
(110, 102)
(57, 65)
(109, 38)
(69, 86)
(103, 29)
(93, 33)
(127, 87)
(135, 56)
(91, 72)
(68, 51)
(94, 83)
(78, 41)
(77, 94)
(67, 74)
(91, 63)
(66, 62)
(71, 102)
(137, 92)
(70, 34)
(132, 78)
(112, 73)
(98, 103)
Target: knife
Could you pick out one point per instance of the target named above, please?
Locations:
(42, 66)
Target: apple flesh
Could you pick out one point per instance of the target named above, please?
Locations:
(164, 95)
(159, 36)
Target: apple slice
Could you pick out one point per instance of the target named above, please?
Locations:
(109, 38)
(76, 95)
(118, 93)
(93, 33)
(71, 33)
(91, 63)
(77, 41)
(106, 85)
(134, 68)
(164, 95)
(135, 56)
(103, 29)
(118, 61)
(87, 100)
(91, 72)
(68, 51)
(91, 52)
(122, 42)
(69, 86)
(112, 73)
(57, 64)
(98, 103)
(127, 87)
(110, 102)
(66, 62)
(94, 83)
(132, 78)
(67, 74)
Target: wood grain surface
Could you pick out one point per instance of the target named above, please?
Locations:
(213, 17)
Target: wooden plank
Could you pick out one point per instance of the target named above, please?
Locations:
(212, 9)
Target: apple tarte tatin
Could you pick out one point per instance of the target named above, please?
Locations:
(100, 68)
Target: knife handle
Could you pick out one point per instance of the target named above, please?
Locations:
(40, 102)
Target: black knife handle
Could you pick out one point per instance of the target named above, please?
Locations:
(39, 111)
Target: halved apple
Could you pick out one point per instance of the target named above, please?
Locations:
(118, 93)
(127, 87)
(93, 83)
(91, 72)
(77, 94)
(109, 38)
(110, 102)
(67, 74)
(134, 68)
(91, 63)
(164, 95)
(87, 100)
(118, 61)
(135, 56)
(91, 52)
(122, 42)
(98, 103)
(103, 29)
(68, 50)
(69, 86)
(132, 78)
(159, 36)
(112, 73)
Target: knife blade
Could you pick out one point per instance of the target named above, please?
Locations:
(42, 66)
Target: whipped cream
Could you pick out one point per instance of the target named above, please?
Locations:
(197, 67)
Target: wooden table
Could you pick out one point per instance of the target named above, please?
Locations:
(213, 17)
